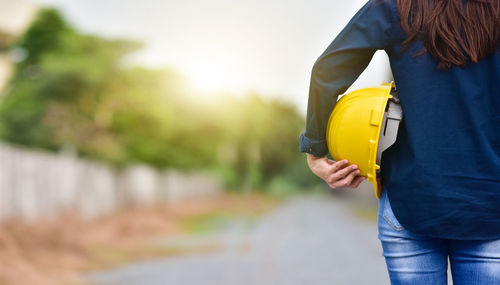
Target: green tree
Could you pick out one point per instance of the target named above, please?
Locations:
(80, 91)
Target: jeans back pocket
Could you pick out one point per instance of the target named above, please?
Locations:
(389, 215)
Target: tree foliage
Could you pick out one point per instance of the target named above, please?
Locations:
(78, 91)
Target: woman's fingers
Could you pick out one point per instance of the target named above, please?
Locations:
(336, 174)
(346, 181)
(344, 177)
(342, 173)
(338, 165)
(355, 183)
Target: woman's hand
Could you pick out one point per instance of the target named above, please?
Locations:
(336, 174)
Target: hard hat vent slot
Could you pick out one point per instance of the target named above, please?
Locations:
(390, 126)
(384, 128)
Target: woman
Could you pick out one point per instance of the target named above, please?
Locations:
(441, 179)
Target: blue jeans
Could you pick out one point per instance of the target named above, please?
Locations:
(415, 259)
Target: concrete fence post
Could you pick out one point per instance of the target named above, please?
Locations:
(38, 184)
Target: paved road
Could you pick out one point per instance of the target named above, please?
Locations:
(308, 240)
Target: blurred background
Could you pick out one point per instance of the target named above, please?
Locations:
(156, 142)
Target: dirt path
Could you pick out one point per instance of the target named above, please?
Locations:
(308, 240)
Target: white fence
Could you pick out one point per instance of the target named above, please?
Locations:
(37, 184)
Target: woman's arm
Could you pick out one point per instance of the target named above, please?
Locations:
(341, 64)
(333, 73)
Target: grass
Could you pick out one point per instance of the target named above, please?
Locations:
(213, 222)
(106, 256)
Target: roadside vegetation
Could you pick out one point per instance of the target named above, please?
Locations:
(83, 92)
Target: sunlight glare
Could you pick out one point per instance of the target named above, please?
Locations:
(209, 78)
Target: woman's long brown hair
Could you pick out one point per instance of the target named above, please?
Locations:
(453, 31)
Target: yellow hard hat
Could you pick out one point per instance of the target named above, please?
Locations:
(362, 125)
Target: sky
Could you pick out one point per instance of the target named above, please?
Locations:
(263, 46)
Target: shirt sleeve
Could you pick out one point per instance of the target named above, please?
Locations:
(340, 65)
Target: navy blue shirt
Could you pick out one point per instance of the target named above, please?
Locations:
(442, 175)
